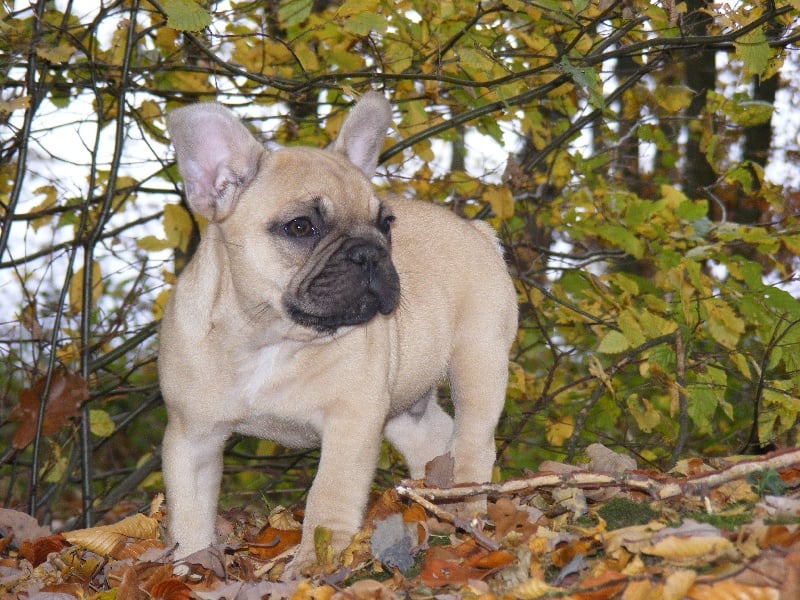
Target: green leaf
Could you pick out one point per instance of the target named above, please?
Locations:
(363, 23)
(646, 417)
(186, 15)
(613, 342)
(398, 57)
(587, 79)
(293, 12)
(692, 210)
(631, 328)
(723, 324)
(749, 113)
(753, 50)
(621, 237)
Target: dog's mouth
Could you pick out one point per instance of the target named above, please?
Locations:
(357, 282)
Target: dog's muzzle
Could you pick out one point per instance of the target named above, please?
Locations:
(358, 281)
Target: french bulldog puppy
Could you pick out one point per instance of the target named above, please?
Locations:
(316, 314)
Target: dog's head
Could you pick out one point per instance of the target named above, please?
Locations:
(304, 236)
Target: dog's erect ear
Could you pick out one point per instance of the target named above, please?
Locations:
(363, 132)
(216, 155)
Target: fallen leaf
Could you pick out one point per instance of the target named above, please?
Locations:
(532, 589)
(605, 460)
(600, 587)
(439, 471)
(109, 540)
(508, 516)
(171, 589)
(690, 551)
(643, 590)
(38, 550)
(366, 589)
(22, 525)
(728, 588)
(271, 542)
(439, 572)
(392, 542)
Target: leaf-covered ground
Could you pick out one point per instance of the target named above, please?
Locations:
(728, 528)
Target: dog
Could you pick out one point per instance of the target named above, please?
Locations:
(316, 314)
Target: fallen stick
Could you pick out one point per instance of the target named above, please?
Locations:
(661, 488)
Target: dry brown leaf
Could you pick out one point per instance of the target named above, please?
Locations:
(691, 551)
(128, 587)
(171, 589)
(643, 590)
(600, 587)
(532, 589)
(606, 460)
(271, 542)
(497, 559)
(282, 518)
(730, 589)
(305, 591)
(366, 589)
(68, 391)
(632, 538)
(108, 539)
(678, 584)
(508, 516)
(780, 535)
(37, 551)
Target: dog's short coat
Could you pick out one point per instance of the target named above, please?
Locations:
(316, 314)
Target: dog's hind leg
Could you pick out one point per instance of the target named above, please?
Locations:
(478, 382)
(421, 433)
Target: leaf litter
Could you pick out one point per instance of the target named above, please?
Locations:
(727, 528)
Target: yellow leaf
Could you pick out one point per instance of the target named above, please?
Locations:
(9, 106)
(58, 54)
(50, 199)
(100, 423)
(673, 98)
(690, 551)
(730, 588)
(160, 303)
(104, 540)
(559, 431)
(678, 584)
(177, 226)
(723, 324)
(501, 201)
(76, 287)
(532, 589)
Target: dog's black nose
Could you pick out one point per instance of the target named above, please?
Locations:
(366, 255)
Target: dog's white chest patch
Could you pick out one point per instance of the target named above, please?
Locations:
(257, 373)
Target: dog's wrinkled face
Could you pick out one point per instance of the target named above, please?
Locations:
(347, 279)
(310, 239)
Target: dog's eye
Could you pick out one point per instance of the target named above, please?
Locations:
(300, 227)
(385, 224)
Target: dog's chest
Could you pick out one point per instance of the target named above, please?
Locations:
(266, 400)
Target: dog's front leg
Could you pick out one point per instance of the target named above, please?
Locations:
(192, 467)
(338, 496)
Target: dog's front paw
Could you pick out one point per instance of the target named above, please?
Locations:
(304, 563)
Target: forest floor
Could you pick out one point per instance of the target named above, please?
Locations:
(716, 529)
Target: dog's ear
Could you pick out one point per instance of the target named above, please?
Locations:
(363, 132)
(216, 155)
